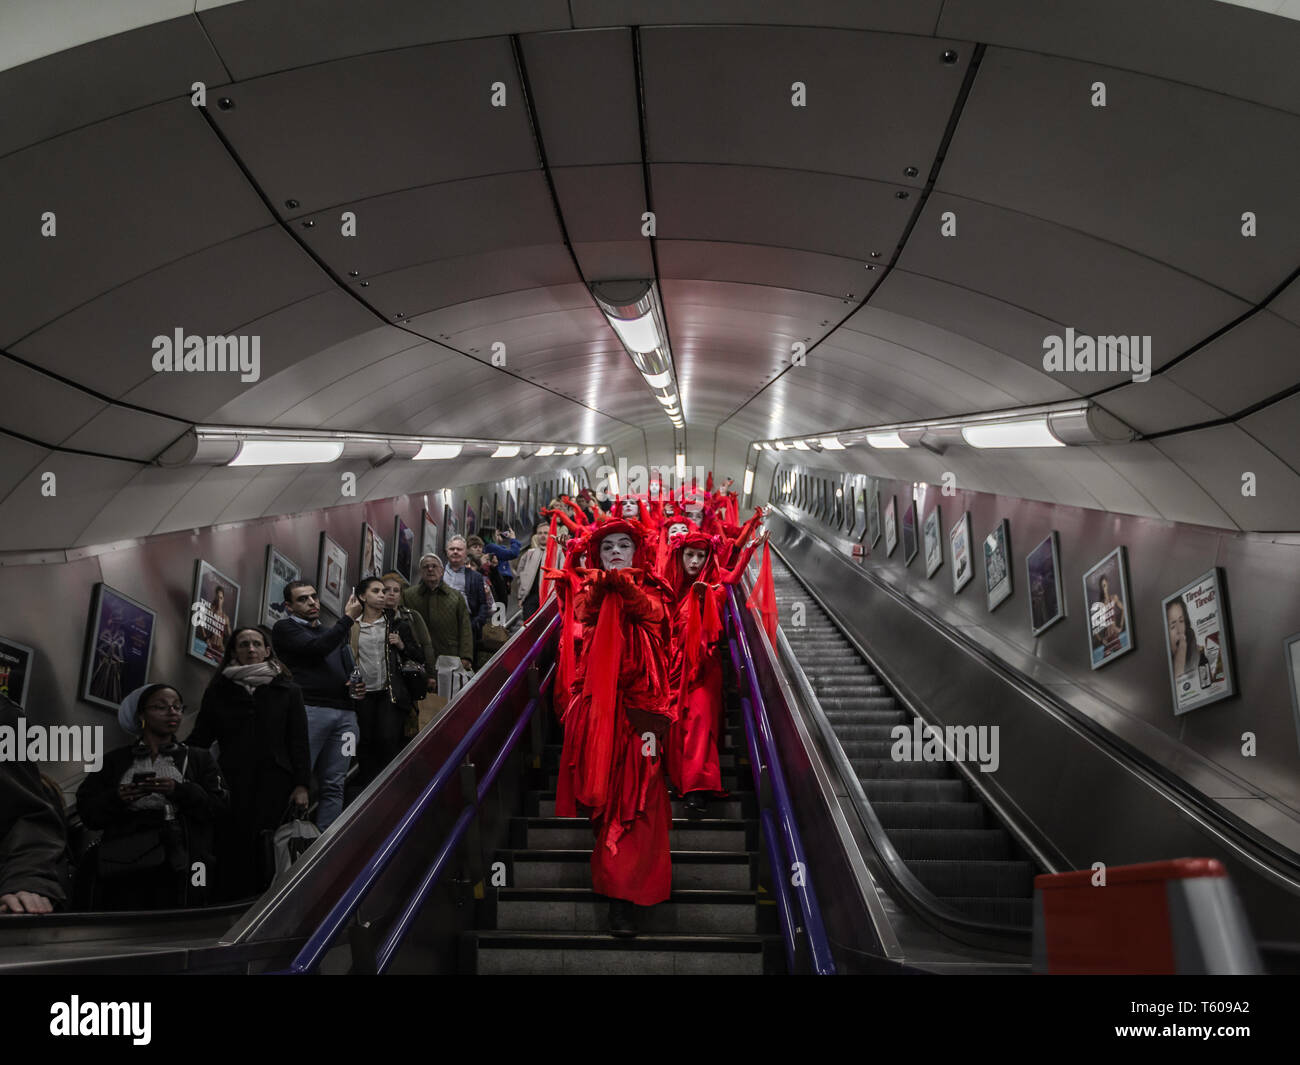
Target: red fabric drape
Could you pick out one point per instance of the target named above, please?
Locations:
(763, 597)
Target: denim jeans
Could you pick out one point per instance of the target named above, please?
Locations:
(327, 731)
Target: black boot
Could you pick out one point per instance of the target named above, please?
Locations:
(697, 804)
(622, 918)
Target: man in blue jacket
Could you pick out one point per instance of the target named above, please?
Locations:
(459, 577)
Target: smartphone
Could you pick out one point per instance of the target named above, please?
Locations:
(143, 778)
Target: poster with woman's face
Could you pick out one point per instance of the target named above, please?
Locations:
(891, 527)
(118, 648)
(279, 571)
(1197, 640)
(1110, 627)
(933, 543)
(214, 610)
(1046, 595)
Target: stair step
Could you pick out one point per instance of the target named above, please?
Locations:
(573, 833)
(548, 953)
(914, 791)
(721, 870)
(888, 769)
(895, 815)
(954, 844)
(582, 910)
(542, 804)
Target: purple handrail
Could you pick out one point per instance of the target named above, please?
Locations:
(318, 943)
(819, 946)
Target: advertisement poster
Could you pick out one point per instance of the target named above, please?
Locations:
(891, 527)
(371, 559)
(471, 520)
(15, 670)
(214, 610)
(279, 572)
(403, 548)
(119, 644)
(997, 564)
(1110, 628)
(873, 514)
(1291, 648)
(909, 533)
(332, 576)
(1046, 594)
(959, 542)
(933, 542)
(449, 526)
(429, 539)
(1198, 642)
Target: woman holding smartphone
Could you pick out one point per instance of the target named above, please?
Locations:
(157, 801)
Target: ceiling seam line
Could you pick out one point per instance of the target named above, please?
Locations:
(86, 390)
(339, 284)
(941, 152)
(638, 79)
(73, 450)
(198, 18)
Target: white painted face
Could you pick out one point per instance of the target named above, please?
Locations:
(616, 551)
(630, 509)
(678, 527)
(693, 560)
(695, 512)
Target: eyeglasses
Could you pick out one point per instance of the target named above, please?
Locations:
(166, 706)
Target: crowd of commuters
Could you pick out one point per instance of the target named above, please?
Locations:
(187, 823)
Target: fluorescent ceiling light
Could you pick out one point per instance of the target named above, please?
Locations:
(780, 445)
(658, 380)
(832, 443)
(545, 449)
(1031, 433)
(749, 481)
(437, 451)
(570, 450)
(639, 334)
(668, 401)
(757, 447)
(885, 440)
(286, 452)
(588, 450)
(505, 451)
(801, 445)
(600, 451)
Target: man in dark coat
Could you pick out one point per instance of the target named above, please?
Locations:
(32, 838)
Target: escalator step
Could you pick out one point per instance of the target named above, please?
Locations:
(1017, 912)
(960, 844)
(974, 878)
(865, 716)
(930, 815)
(888, 769)
(916, 791)
(856, 731)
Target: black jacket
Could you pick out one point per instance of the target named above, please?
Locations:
(32, 838)
(271, 722)
(199, 799)
(316, 659)
(395, 622)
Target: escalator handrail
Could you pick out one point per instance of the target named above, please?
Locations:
(321, 939)
(415, 903)
(901, 878)
(823, 964)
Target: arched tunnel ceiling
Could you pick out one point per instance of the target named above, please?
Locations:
(775, 224)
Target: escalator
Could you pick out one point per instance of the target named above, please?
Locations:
(946, 836)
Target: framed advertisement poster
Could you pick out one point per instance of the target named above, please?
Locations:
(332, 576)
(959, 543)
(1046, 594)
(909, 533)
(1199, 642)
(1291, 647)
(16, 661)
(119, 644)
(449, 526)
(891, 527)
(214, 612)
(997, 564)
(429, 534)
(1110, 626)
(280, 570)
(933, 542)
(403, 548)
(873, 513)
(471, 520)
(371, 559)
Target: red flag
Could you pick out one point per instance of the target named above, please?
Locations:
(763, 597)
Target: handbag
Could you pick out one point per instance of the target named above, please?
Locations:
(494, 637)
(283, 846)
